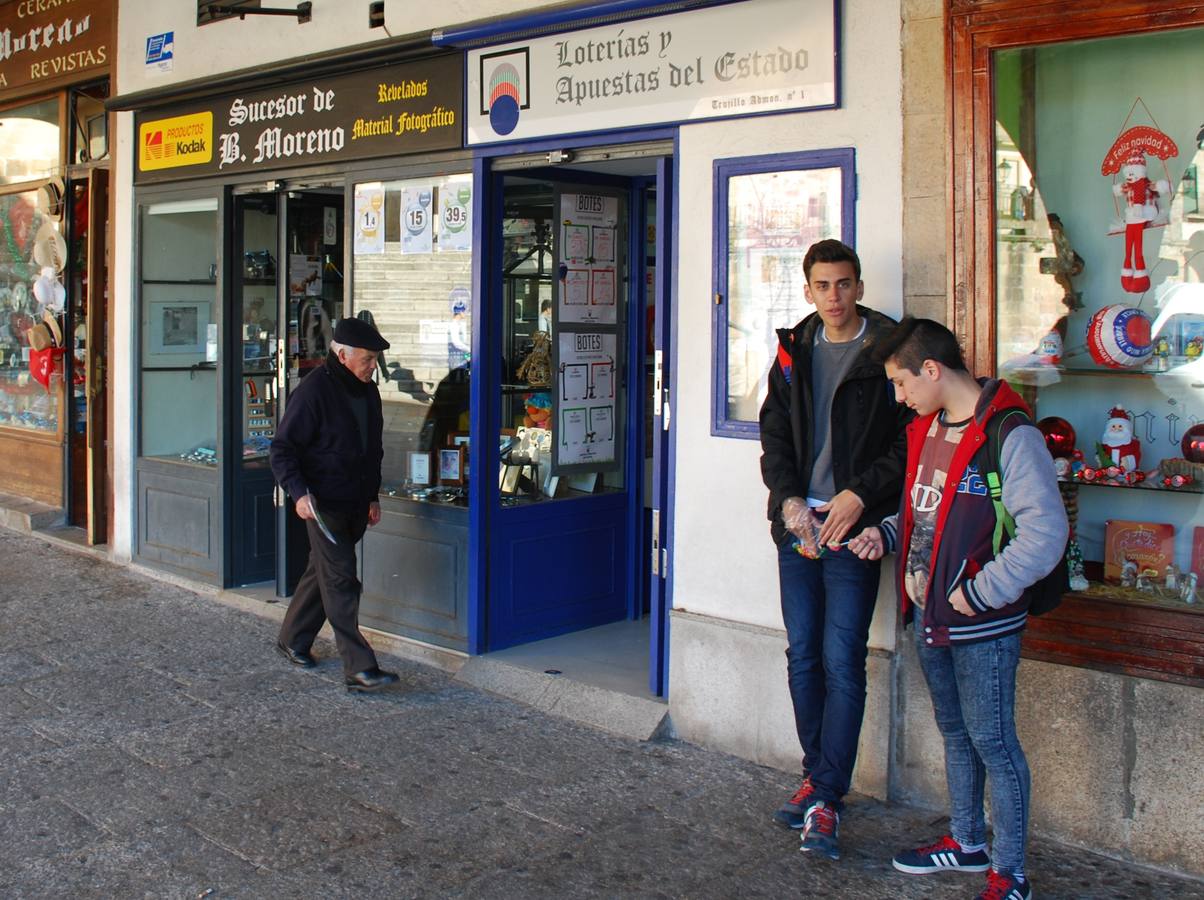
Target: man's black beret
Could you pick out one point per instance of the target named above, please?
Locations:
(358, 333)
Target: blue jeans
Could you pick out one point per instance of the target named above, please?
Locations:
(827, 605)
(973, 689)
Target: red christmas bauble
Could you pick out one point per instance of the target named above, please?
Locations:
(1059, 436)
(1193, 443)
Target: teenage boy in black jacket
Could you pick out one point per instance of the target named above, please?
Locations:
(327, 454)
(833, 449)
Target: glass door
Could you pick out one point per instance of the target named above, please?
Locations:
(566, 505)
(310, 265)
(254, 326)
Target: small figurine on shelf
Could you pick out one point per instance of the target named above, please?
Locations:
(1074, 563)
(1187, 587)
(1128, 573)
(1194, 347)
(1172, 578)
(1118, 446)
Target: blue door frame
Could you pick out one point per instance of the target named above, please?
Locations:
(539, 519)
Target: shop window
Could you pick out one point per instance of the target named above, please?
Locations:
(412, 277)
(179, 344)
(32, 257)
(768, 211)
(29, 142)
(1091, 303)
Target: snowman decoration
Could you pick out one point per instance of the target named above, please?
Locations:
(1118, 446)
(1140, 196)
(1141, 203)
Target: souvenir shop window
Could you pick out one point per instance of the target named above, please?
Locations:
(1099, 283)
(29, 142)
(179, 338)
(768, 211)
(33, 255)
(412, 278)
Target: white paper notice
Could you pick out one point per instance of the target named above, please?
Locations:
(575, 288)
(417, 221)
(586, 398)
(604, 244)
(455, 216)
(369, 219)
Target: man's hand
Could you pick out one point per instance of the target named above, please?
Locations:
(799, 521)
(958, 600)
(868, 544)
(373, 514)
(843, 512)
(305, 507)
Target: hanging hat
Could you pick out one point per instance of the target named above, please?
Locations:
(358, 333)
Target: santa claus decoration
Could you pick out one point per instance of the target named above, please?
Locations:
(1141, 203)
(1118, 446)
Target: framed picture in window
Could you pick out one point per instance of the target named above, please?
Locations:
(451, 465)
(419, 468)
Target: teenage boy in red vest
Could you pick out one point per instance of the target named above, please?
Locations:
(967, 601)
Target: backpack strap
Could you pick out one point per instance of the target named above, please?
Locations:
(1004, 523)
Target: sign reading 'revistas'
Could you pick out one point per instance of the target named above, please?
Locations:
(739, 59)
(409, 108)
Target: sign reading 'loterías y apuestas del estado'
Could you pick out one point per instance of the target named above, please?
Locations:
(732, 60)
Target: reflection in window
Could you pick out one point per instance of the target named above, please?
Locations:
(179, 331)
(771, 212)
(412, 278)
(29, 142)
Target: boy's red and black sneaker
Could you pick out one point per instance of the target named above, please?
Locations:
(946, 855)
(819, 832)
(793, 813)
(1001, 886)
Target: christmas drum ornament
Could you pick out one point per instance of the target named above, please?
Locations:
(1118, 336)
(1059, 436)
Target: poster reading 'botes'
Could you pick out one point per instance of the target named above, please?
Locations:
(408, 108)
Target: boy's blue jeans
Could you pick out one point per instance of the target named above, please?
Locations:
(827, 605)
(973, 689)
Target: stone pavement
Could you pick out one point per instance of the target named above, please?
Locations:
(154, 745)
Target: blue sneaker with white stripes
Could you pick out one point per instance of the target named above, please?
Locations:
(946, 855)
(1002, 886)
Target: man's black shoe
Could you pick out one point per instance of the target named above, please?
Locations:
(370, 679)
(296, 657)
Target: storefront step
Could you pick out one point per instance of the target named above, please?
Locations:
(23, 514)
(571, 686)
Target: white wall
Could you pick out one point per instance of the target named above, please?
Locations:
(232, 44)
(724, 562)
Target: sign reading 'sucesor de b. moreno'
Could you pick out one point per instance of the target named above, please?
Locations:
(410, 108)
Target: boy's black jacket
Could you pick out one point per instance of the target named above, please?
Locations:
(869, 444)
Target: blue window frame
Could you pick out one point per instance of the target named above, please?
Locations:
(768, 211)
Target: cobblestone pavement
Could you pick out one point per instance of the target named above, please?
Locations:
(154, 745)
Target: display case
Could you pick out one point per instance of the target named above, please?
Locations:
(1078, 276)
(31, 377)
(411, 278)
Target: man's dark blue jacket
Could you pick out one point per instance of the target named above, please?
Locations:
(317, 447)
